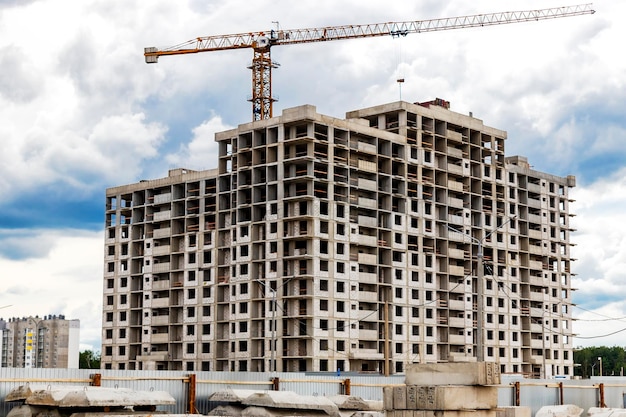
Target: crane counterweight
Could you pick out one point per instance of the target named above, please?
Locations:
(151, 55)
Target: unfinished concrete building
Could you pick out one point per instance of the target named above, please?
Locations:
(324, 244)
(39, 342)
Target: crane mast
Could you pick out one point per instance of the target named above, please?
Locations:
(262, 42)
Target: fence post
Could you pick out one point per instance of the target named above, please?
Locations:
(517, 394)
(276, 383)
(96, 380)
(346, 386)
(601, 389)
(191, 406)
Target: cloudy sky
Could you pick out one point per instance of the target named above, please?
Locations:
(80, 111)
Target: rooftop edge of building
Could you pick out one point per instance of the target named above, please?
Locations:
(174, 176)
(436, 108)
(522, 165)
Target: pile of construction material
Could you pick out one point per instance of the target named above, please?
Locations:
(605, 412)
(568, 410)
(250, 403)
(73, 401)
(454, 389)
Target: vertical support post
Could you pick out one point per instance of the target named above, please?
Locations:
(386, 334)
(517, 393)
(601, 391)
(191, 404)
(96, 380)
(273, 347)
(346, 386)
(480, 350)
(561, 399)
(275, 384)
(543, 340)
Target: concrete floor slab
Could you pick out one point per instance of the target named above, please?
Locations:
(30, 411)
(230, 410)
(606, 412)
(291, 400)
(22, 392)
(349, 402)
(273, 412)
(521, 411)
(566, 410)
(231, 395)
(98, 397)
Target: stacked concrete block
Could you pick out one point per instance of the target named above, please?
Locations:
(466, 389)
(248, 403)
(69, 401)
(606, 412)
(565, 410)
(453, 373)
(513, 411)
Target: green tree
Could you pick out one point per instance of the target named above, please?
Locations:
(613, 361)
(88, 359)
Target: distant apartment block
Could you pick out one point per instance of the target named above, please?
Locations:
(39, 342)
(325, 244)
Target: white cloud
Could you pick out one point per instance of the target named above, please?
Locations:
(202, 152)
(600, 327)
(91, 74)
(73, 105)
(82, 111)
(601, 254)
(111, 151)
(66, 278)
(20, 82)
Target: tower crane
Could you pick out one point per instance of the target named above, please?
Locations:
(262, 42)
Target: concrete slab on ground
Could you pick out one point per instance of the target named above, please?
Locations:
(230, 410)
(127, 413)
(566, 410)
(352, 413)
(280, 412)
(22, 392)
(29, 411)
(369, 414)
(98, 397)
(606, 412)
(374, 405)
(231, 395)
(349, 402)
(291, 400)
(512, 411)
(449, 413)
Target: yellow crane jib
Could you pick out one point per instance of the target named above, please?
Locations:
(261, 42)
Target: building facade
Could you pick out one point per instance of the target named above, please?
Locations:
(34, 342)
(325, 244)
